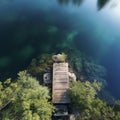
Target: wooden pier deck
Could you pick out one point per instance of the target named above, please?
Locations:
(60, 83)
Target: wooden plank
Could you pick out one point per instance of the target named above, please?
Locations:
(60, 83)
(64, 91)
(61, 69)
(60, 80)
(60, 92)
(60, 65)
(61, 86)
(61, 100)
(60, 73)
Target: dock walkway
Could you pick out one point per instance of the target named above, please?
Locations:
(60, 83)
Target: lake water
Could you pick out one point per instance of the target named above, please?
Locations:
(31, 27)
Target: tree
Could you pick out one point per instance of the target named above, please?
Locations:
(38, 65)
(27, 100)
(84, 98)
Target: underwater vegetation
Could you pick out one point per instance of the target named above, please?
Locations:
(4, 61)
(26, 52)
(85, 67)
(52, 29)
(70, 37)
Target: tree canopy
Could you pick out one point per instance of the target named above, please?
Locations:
(24, 99)
(84, 98)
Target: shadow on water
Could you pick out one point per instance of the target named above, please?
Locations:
(100, 3)
(75, 2)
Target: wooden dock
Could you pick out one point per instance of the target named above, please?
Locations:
(60, 83)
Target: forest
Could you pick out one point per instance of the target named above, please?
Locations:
(26, 98)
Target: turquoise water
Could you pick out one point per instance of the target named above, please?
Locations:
(31, 27)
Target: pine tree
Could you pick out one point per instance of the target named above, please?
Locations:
(25, 99)
(84, 98)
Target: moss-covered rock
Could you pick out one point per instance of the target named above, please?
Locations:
(59, 57)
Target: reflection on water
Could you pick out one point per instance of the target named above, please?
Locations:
(100, 3)
(76, 2)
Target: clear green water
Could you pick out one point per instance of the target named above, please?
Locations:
(31, 27)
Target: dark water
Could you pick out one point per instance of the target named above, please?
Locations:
(31, 27)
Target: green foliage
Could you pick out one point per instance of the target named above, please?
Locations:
(8, 92)
(39, 64)
(25, 99)
(116, 104)
(84, 98)
(82, 94)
